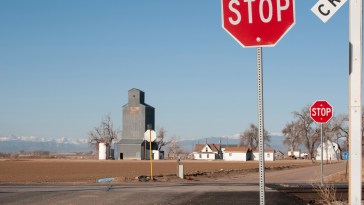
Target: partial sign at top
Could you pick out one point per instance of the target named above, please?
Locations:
(258, 23)
(325, 9)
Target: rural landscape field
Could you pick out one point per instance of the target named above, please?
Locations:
(22, 171)
(162, 102)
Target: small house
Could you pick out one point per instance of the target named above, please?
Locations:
(207, 152)
(269, 155)
(237, 154)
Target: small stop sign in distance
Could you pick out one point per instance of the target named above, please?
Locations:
(321, 111)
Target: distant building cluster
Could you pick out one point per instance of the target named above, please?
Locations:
(230, 153)
(138, 117)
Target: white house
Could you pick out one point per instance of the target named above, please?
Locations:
(206, 151)
(269, 155)
(237, 154)
(294, 153)
(331, 151)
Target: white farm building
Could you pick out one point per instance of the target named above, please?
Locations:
(237, 154)
(207, 152)
(331, 151)
(269, 155)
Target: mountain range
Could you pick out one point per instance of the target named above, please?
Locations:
(12, 143)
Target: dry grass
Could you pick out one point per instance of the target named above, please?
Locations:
(327, 194)
(341, 177)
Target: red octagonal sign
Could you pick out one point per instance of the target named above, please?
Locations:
(321, 111)
(257, 23)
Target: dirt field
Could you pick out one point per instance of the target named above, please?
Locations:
(88, 171)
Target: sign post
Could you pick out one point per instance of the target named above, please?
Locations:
(150, 136)
(321, 112)
(150, 154)
(258, 24)
(261, 125)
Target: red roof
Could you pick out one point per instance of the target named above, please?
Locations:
(236, 149)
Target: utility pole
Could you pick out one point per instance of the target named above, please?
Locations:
(355, 101)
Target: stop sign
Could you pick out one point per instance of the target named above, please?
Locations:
(257, 23)
(321, 111)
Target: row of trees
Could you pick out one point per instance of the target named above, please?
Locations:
(302, 130)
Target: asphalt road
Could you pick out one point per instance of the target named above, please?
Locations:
(149, 193)
(310, 175)
(237, 190)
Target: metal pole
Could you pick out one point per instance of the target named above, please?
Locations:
(261, 126)
(322, 157)
(326, 151)
(150, 154)
(355, 101)
(145, 149)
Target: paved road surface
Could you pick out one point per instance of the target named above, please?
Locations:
(138, 194)
(299, 175)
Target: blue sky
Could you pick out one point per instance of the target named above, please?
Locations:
(65, 64)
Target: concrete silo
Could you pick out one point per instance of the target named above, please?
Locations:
(102, 151)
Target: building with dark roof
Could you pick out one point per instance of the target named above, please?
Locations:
(137, 116)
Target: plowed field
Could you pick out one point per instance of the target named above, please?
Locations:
(88, 171)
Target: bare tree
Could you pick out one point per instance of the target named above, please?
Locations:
(341, 129)
(250, 137)
(343, 126)
(174, 146)
(161, 138)
(309, 133)
(292, 134)
(104, 133)
(340, 126)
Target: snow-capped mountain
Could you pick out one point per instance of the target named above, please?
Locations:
(14, 143)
